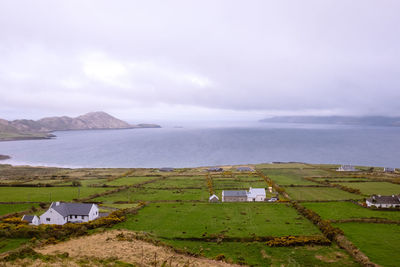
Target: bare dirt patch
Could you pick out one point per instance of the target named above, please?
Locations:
(120, 245)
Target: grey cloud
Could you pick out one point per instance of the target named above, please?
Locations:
(227, 57)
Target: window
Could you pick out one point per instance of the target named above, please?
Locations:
(82, 217)
(47, 219)
(76, 216)
(70, 216)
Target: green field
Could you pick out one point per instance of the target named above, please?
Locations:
(258, 254)
(130, 180)
(145, 194)
(7, 244)
(232, 183)
(319, 193)
(184, 220)
(370, 188)
(188, 182)
(11, 208)
(46, 194)
(292, 176)
(348, 210)
(380, 242)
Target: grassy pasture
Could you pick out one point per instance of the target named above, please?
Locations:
(348, 210)
(289, 176)
(319, 193)
(224, 183)
(283, 166)
(178, 183)
(129, 180)
(258, 254)
(11, 208)
(370, 188)
(169, 220)
(380, 242)
(7, 244)
(45, 194)
(146, 194)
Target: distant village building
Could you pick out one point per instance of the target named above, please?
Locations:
(61, 213)
(379, 201)
(253, 195)
(234, 196)
(31, 219)
(386, 169)
(346, 168)
(166, 169)
(215, 169)
(256, 194)
(245, 169)
(213, 198)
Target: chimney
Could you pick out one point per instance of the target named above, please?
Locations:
(58, 203)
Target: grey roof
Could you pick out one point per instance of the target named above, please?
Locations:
(215, 169)
(28, 218)
(384, 199)
(235, 193)
(67, 209)
(244, 169)
(166, 169)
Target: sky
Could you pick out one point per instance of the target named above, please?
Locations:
(148, 61)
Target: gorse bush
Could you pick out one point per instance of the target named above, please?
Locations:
(287, 241)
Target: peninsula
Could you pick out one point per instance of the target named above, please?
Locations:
(41, 129)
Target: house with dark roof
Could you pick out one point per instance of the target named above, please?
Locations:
(245, 169)
(234, 196)
(62, 213)
(387, 169)
(379, 201)
(215, 169)
(31, 219)
(166, 169)
(346, 168)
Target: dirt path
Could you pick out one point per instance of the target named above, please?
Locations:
(121, 245)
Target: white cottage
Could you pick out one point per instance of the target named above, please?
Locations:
(31, 219)
(256, 194)
(379, 201)
(62, 213)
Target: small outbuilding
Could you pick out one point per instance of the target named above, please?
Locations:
(379, 201)
(346, 168)
(31, 219)
(213, 198)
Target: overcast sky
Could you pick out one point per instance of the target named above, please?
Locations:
(183, 60)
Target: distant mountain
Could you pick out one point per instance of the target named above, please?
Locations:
(30, 129)
(341, 120)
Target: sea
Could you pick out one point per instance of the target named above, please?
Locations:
(211, 144)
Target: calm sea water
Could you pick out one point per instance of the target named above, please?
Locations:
(211, 145)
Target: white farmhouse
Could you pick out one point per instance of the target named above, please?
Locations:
(31, 219)
(256, 194)
(62, 213)
(379, 201)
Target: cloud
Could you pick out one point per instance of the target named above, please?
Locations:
(227, 58)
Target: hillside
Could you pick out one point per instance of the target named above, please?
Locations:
(340, 120)
(30, 129)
